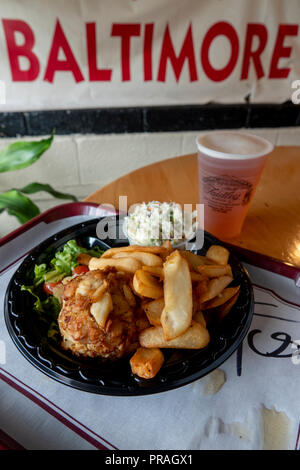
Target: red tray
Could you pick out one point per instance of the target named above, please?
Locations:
(51, 215)
(54, 214)
(8, 443)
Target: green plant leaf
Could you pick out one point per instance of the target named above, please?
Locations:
(22, 154)
(18, 205)
(33, 188)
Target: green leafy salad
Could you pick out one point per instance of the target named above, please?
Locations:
(47, 276)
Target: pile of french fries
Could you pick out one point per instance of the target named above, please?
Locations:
(180, 292)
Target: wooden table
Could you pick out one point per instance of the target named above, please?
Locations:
(272, 226)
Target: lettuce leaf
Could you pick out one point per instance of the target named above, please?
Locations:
(50, 306)
(64, 261)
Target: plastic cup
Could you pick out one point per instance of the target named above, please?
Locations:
(230, 165)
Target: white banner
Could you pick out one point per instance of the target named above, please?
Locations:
(112, 53)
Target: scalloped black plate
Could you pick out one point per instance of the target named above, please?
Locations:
(115, 378)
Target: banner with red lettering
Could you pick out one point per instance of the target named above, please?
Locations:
(115, 53)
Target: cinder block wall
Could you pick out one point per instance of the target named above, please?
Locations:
(81, 164)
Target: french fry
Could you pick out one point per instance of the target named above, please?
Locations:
(196, 277)
(154, 310)
(215, 287)
(198, 290)
(193, 259)
(147, 259)
(201, 288)
(218, 254)
(177, 313)
(169, 249)
(156, 271)
(180, 293)
(84, 258)
(195, 337)
(146, 363)
(215, 270)
(167, 244)
(222, 298)
(157, 250)
(101, 310)
(199, 318)
(224, 309)
(129, 265)
(146, 285)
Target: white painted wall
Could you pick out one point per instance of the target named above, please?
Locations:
(81, 164)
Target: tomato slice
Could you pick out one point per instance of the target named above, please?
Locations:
(49, 286)
(81, 269)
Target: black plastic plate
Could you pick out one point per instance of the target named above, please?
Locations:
(115, 378)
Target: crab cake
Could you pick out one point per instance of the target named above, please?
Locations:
(98, 316)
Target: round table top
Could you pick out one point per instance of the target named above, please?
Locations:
(272, 226)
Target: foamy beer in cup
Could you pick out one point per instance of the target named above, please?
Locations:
(230, 165)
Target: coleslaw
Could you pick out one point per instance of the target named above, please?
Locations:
(155, 222)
